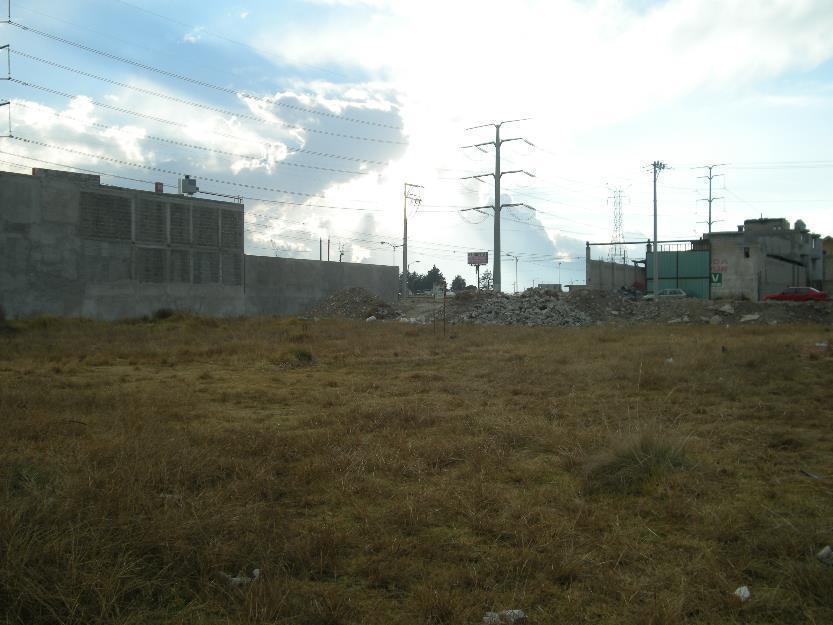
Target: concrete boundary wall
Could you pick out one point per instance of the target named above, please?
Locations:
(288, 286)
(71, 247)
(606, 276)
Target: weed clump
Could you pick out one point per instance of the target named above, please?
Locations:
(163, 313)
(304, 356)
(628, 465)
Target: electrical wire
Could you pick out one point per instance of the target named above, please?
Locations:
(195, 146)
(200, 105)
(201, 83)
(170, 122)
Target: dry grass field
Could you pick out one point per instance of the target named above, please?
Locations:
(377, 473)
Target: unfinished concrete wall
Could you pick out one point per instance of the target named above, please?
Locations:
(288, 286)
(72, 247)
(739, 266)
(749, 270)
(606, 276)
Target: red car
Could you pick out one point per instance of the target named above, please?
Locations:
(798, 294)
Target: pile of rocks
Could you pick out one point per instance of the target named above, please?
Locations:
(354, 303)
(533, 307)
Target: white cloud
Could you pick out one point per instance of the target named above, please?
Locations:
(194, 35)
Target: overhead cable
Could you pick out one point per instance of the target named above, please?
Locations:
(197, 81)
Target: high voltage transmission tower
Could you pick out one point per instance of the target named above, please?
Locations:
(497, 206)
(710, 199)
(617, 251)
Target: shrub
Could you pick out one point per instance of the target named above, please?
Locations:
(163, 313)
(630, 463)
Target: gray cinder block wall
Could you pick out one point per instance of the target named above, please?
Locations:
(72, 247)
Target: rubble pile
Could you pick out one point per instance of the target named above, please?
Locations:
(353, 303)
(533, 307)
(699, 311)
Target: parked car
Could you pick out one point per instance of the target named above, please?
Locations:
(798, 294)
(667, 294)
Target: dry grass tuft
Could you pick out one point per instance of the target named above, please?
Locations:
(631, 462)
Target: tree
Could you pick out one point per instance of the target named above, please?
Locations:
(434, 276)
(414, 281)
(486, 280)
(459, 283)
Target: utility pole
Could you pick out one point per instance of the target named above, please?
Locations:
(515, 289)
(393, 249)
(711, 199)
(319, 249)
(497, 206)
(412, 192)
(657, 167)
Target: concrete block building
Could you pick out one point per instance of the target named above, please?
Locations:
(765, 256)
(70, 246)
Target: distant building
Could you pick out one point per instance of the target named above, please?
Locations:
(827, 262)
(764, 256)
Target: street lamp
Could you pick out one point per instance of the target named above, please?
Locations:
(559, 272)
(393, 248)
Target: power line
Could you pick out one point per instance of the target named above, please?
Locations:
(202, 83)
(200, 105)
(221, 36)
(162, 170)
(198, 147)
(170, 122)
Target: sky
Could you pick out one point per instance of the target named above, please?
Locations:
(317, 112)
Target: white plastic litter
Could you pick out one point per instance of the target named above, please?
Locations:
(743, 593)
(241, 580)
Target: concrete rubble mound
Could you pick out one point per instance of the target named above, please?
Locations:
(533, 307)
(354, 303)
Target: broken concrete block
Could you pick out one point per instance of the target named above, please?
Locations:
(715, 320)
(825, 556)
(752, 317)
(727, 309)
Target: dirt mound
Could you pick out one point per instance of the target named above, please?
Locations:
(353, 303)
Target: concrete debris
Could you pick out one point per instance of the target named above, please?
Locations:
(742, 593)
(507, 616)
(533, 307)
(371, 318)
(354, 303)
(241, 580)
(825, 556)
(537, 307)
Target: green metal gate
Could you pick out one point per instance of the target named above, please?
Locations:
(681, 269)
